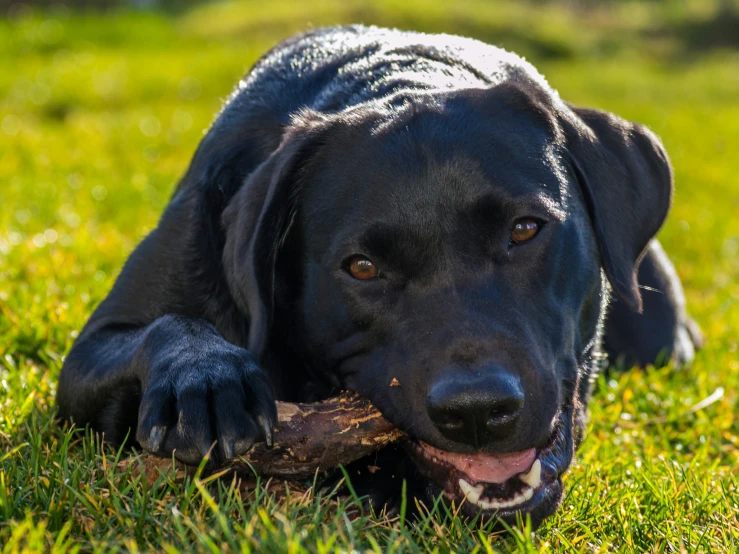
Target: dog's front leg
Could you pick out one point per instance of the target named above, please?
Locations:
(192, 388)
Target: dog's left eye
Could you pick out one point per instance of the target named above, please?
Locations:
(524, 230)
(361, 268)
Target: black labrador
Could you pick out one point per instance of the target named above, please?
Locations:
(418, 218)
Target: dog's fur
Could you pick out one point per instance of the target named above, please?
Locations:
(420, 152)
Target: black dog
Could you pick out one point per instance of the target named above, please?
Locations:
(374, 206)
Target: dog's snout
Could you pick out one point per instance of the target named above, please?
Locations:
(476, 410)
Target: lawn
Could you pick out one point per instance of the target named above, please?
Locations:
(99, 116)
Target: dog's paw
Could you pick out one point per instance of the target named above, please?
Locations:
(688, 340)
(222, 397)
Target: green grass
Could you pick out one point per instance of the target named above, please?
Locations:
(99, 115)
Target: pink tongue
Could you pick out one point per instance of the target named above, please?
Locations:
(488, 468)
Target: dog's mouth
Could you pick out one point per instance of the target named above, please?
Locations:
(501, 485)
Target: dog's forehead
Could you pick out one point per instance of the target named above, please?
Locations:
(437, 157)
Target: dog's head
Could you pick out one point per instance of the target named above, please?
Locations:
(443, 255)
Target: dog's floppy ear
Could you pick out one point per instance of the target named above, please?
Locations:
(258, 219)
(626, 179)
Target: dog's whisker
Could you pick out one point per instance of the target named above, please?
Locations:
(650, 289)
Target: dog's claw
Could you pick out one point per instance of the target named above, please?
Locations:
(155, 437)
(228, 449)
(267, 430)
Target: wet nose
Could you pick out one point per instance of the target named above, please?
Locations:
(478, 409)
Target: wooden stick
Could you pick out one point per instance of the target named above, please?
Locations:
(309, 438)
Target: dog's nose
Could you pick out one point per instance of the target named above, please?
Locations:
(477, 409)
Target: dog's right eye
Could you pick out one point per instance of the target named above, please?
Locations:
(361, 268)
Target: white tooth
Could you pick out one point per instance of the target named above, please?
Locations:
(491, 505)
(494, 504)
(512, 502)
(472, 494)
(533, 477)
(522, 497)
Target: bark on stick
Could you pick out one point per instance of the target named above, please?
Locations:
(311, 437)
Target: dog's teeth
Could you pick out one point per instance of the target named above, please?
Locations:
(472, 494)
(521, 497)
(533, 477)
(492, 504)
(497, 504)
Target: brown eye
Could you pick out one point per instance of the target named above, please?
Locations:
(524, 229)
(362, 268)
